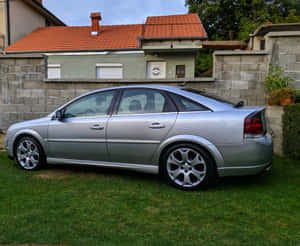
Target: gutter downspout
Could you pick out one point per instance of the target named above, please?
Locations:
(8, 22)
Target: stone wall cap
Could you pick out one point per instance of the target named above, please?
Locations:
(240, 52)
(19, 56)
(195, 80)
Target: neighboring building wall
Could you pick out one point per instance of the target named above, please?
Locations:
(23, 20)
(256, 42)
(286, 53)
(3, 24)
(134, 65)
(170, 45)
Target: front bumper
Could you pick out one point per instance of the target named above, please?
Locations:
(8, 147)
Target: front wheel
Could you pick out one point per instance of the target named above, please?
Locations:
(29, 154)
(188, 167)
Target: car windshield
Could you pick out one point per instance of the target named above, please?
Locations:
(204, 93)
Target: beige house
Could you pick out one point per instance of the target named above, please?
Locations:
(263, 37)
(20, 17)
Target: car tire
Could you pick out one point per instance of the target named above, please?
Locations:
(188, 167)
(29, 154)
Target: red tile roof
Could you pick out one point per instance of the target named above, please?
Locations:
(110, 37)
(174, 19)
(172, 26)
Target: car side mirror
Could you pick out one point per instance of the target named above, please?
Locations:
(59, 115)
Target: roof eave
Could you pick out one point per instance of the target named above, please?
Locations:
(70, 51)
(260, 30)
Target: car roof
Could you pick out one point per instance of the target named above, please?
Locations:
(210, 103)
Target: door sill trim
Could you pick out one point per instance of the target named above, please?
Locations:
(136, 167)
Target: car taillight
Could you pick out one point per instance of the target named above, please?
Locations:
(253, 126)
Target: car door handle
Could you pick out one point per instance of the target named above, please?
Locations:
(97, 127)
(157, 125)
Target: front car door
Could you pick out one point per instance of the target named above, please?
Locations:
(141, 121)
(81, 134)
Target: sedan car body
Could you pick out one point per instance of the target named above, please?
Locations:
(189, 138)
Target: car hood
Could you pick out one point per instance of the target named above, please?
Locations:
(30, 123)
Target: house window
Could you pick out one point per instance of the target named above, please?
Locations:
(262, 44)
(54, 71)
(109, 71)
(47, 23)
(180, 71)
(156, 70)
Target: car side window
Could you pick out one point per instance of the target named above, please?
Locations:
(186, 105)
(94, 105)
(143, 101)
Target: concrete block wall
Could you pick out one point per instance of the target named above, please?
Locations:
(286, 53)
(240, 75)
(25, 95)
(274, 121)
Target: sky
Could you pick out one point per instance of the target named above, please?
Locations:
(114, 12)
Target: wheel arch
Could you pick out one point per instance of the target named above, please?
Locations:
(27, 133)
(203, 143)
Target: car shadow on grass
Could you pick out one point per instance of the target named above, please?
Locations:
(261, 179)
(67, 171)
(60, 172)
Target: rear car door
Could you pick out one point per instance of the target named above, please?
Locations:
(81, 133)
(141, 121)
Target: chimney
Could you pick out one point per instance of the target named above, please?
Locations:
(96, 18)
(40, 1)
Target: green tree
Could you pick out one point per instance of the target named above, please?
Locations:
(236, 19)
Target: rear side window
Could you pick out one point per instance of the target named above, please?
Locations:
(144, 101)
(186, 105)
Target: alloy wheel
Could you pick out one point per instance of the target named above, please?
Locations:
(28, 154)
(186, 167)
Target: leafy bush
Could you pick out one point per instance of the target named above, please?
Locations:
(297, 99)
(204, 63)
(280, 94)
(276, 79)
(291, 131)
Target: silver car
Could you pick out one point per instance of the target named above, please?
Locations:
(187, 137)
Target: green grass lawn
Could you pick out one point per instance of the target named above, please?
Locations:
(96, 206)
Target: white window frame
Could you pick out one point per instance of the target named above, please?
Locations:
(109, 65)
(55, 74)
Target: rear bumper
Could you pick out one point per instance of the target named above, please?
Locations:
(251, 157)
(244, 170)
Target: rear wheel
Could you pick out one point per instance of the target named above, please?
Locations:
(188, 167)
(29, 154)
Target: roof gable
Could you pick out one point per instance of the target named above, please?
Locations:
(174, 26)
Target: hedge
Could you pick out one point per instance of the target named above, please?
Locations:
(297, 96)
(291, 131)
